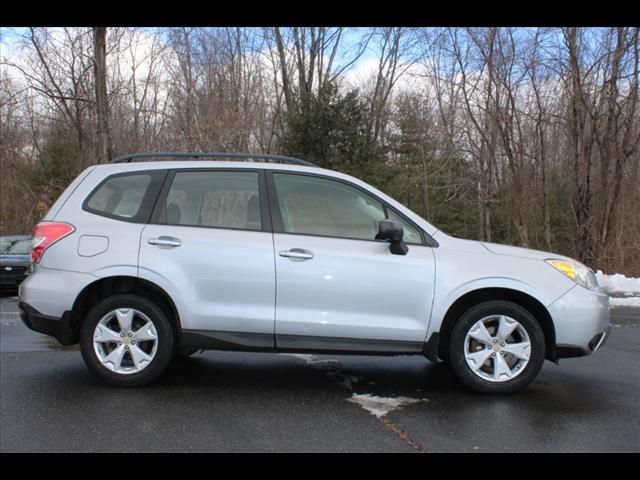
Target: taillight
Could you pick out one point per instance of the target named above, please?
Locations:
(46, 234)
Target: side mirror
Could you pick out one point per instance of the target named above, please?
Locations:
(393, 233)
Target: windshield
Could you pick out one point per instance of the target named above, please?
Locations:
(15, 247)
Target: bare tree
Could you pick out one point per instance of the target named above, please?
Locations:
(102, 105)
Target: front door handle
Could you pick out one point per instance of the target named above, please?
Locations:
(165, 241)
(297, 254)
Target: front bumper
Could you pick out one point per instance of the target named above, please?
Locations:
(582, 322)
(60, 328)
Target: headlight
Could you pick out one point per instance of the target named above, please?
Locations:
(579, 273)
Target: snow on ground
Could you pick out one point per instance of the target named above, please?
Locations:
(624, 302)
(623, 291)
(380, 406)
(310, 359)
(619, 285)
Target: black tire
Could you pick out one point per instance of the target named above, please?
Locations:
(164, 352)
(468, 319)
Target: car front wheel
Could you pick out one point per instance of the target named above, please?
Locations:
(126, 340)
(496, 347)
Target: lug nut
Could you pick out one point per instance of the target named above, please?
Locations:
(502, 344)
(130, 334)
(119, 343)
(126, 347)
(495, 341)
(122, 334)
(488, 347)
(493, 354)
(133, 342)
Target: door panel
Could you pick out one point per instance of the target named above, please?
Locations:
(352, 289)
(224, 278)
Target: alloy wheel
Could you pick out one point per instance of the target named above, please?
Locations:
(125, 341)
(497, 348)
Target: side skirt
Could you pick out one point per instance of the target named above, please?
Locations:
(234, 341)
(262, 342)
(355, 346)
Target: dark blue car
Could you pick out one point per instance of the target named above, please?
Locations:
(15, 261)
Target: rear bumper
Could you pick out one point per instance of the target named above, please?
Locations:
(57, 327)
(51, 291)
(582, 322)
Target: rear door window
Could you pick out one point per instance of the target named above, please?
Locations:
(218, 199)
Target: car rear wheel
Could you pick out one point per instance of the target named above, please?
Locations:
(126, 340)
(496, 347)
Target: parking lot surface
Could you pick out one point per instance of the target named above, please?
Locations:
(259, 402)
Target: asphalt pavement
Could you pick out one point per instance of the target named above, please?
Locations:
(260, 402)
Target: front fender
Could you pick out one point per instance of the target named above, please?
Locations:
(444, 300)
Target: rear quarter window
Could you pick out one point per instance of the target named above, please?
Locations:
(126, 196)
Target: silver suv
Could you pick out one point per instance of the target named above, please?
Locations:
(140, 262)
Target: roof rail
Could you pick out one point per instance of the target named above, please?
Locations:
(183, 155)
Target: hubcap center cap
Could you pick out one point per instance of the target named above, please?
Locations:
(126, 340)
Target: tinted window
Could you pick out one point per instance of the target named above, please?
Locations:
(411, 234)
(20, 247)
(319, 206)
(120, 196)
(213, 199)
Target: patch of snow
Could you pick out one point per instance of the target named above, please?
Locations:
(310, 359)
(380, 406)
(301, 356)
(624, 302)
(618, 284)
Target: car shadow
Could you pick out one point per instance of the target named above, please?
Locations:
(232, 376)
(413, 377)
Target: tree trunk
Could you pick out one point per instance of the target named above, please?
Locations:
(102, 107)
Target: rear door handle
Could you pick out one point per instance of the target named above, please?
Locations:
(165, 241)
(297, 254)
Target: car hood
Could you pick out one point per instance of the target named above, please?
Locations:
(15, 260)
(521, 252)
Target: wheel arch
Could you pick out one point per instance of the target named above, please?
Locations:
(474, 297)
(108, 286)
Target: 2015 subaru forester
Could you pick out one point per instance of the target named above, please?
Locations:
(143, 261)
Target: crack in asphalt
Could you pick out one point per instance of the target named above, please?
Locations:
(331, 369)
(401, 434)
